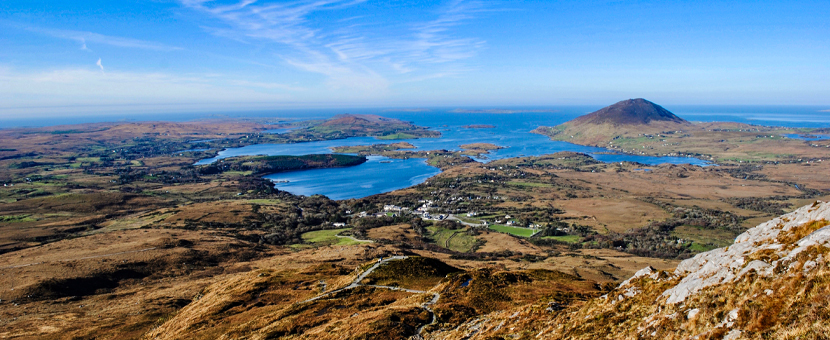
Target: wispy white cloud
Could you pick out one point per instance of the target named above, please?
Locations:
(90, 88)
(100, 65)
(84, 37)
(366, 57)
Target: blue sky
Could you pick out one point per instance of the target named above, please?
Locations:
(73, 57)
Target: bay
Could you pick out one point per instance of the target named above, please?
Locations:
(512, 131)
(381, 174)
(377, 175)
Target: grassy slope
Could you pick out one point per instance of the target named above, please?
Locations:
(516, 231)
(328, 237)
(461, 242)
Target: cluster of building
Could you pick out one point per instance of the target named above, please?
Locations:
(423, 211)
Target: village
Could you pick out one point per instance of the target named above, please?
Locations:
(430, 211)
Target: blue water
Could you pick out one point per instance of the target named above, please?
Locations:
(807, 137)
(367, 179)
(512, 131)
(770, 115)
(283, 130)
(790, 116)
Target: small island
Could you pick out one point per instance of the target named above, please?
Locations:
(350, 125)
(478, 149)
(481, 146)
(261, 165)
(479, 126)
(372, 149)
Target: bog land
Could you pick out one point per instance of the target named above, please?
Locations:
(111, 230)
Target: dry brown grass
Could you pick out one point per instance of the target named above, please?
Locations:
(42, 140)
(497, 242)
(398, 232)
(724, 141)
(792, 305)
(112, 286)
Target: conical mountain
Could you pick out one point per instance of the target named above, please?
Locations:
(628, 118)
(630, 112)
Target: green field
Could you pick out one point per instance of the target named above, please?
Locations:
(468, 219)
(515, 231)
(566, 238)
(328, 237)
(461, 242)
(17, 218)
(264, 201)
(240, 173)
(397, 136)
(88, 159)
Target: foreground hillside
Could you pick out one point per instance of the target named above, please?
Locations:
(772, 283)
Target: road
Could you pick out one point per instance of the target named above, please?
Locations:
(356, 283)
(447, 242)
(453, 218)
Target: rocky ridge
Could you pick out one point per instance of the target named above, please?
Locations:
(772, 283)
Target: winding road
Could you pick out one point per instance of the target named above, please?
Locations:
(454, 218)
(356, 283)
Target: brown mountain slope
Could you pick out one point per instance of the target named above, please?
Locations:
(395, 299)
(632, 117)
(640, 127)
(772, 283)
(630, 112)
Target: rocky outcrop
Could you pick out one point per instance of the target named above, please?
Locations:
(772, 283)
(726, 265)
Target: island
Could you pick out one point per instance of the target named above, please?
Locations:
(263, 165)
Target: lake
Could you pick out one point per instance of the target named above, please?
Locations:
(381, 174)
